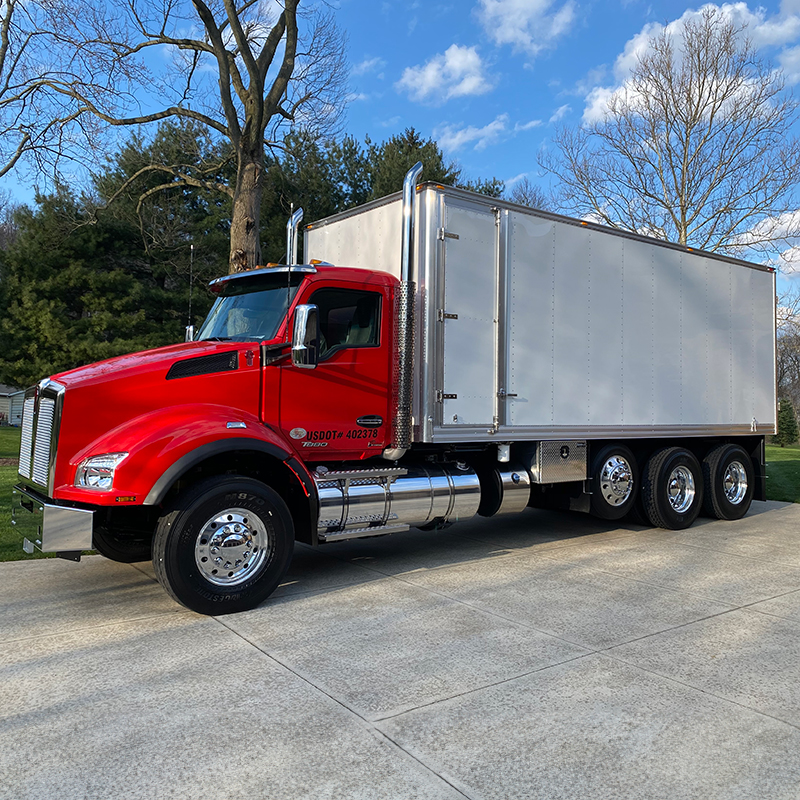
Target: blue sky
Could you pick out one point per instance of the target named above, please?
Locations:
(489, 79)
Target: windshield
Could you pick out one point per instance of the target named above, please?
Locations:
(251, 307)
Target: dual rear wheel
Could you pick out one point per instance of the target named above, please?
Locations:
(674, 487)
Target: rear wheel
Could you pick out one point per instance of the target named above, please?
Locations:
(730, 481)
(224, 545)
(672, 488)
(615, 482)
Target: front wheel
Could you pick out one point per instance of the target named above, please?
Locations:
(224, 545)
(672, 488)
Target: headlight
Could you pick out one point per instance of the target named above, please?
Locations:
(97, 472)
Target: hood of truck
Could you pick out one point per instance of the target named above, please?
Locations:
(103, 396)
(120, 367)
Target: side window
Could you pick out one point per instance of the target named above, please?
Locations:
(347, 318)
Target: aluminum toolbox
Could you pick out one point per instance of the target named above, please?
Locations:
(534, 326)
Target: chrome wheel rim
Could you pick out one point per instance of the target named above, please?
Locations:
(681, 489)
(616, 480)
(734, 482)
(232, 547)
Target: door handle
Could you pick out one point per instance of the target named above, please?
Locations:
(370, 421)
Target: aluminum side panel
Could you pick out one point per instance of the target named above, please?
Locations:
(667, 345)
(639, 364)
(370, 240)
(697, 396)
(571, 327)
(764, 352)
(470, 273)
(605, 317)
(530, 330)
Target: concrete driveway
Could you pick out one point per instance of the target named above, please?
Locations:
(542, 656)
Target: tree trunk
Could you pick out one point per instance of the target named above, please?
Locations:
(246, 214)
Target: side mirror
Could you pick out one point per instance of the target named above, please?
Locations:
(305, 341)
(189, 333)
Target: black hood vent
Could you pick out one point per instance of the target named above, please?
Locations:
(204, 365)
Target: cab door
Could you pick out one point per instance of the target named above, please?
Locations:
(341, 408)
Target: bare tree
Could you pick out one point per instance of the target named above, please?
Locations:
(695, 147)
(242, 69)
(34, 123)
(527, 193)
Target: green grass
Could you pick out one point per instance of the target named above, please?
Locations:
(783, 483)
(783, 473)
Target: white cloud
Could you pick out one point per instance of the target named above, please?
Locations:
(509, 182)
(763, 31)
(559, 113)
(452, 138)
(529, 26)
(368, 65)
(457, 72)
(526, 126)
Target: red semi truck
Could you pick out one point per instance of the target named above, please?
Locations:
(473, 357)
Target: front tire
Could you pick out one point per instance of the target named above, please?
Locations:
(730, 482)
(224, 545)
(672, 488)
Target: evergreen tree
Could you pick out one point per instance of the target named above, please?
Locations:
(787, 424)
(73, 292)
(390, 161)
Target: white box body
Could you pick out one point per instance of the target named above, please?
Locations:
(533, 326)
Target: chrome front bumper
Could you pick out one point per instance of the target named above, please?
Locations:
(48, 527)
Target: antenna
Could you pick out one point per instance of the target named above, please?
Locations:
(191, 279)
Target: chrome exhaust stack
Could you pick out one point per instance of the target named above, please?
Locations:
(291, 237)
(404, 325)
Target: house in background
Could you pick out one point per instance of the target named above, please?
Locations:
(11, 400)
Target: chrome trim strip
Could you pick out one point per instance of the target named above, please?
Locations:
(467, 433)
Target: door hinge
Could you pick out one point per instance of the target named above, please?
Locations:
(442, 234)
(442, 315)
(441, 396)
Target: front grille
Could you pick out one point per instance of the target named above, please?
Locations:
(27, 437)
(41, 416)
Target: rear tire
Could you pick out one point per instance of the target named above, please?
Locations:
(224, 545)
(672, 488)
(615, 482)
(730, 482)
